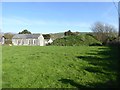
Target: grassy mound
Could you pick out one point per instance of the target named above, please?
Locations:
(83, 39)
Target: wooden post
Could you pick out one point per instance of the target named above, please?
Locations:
(119, 18)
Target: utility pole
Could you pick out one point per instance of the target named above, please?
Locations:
(119, 18)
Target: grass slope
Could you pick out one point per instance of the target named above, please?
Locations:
(59, 67)
(82, 39)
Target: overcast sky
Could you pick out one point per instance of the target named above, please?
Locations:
(51, 17)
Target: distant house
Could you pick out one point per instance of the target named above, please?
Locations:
(29, 39)
(2, 40)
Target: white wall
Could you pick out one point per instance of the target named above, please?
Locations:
(41, 40)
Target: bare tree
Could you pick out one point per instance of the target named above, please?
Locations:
(104, 32)
(8, 38)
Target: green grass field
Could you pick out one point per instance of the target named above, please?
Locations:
(59, 67)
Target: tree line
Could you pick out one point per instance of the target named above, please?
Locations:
(101, 31)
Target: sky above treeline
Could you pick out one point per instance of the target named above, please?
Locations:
(53, 17)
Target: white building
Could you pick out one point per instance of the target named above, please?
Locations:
(2, 40)
(29, 39)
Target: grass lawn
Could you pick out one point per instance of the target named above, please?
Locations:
(59, 67)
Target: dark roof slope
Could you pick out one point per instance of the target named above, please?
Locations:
(26, 36)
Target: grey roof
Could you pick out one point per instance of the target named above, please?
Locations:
(26, 36)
